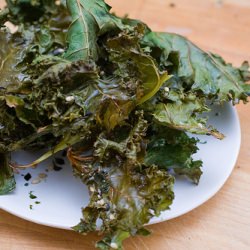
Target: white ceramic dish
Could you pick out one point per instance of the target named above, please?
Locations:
(62, 195)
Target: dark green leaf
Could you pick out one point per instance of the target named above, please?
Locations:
(182, 117)
(29, 11)
(134, 66)
(123, 193)
(172, 149)
(90, 20)
(11, 55)
(200, 70)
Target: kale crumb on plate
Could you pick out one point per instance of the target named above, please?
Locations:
(32, 196)
(118, 99)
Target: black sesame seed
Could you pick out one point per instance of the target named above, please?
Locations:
(59, 161)
(56, 167)
(27, 177)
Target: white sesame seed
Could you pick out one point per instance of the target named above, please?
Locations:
(200, 125)
(166, 89)
(151, 211)
(114, 245)
(111, 217)
(70, 98)
(36, 181)
(101, 202)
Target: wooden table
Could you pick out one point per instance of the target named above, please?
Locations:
(224, 221)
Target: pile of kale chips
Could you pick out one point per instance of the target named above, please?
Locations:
(119, 97)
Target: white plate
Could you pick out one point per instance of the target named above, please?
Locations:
(62, 195)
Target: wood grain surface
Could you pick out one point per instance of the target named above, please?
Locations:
(224, 221)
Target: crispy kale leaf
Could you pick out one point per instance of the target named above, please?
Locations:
(197, 70)
(90, 19)
(182, 115)
(172, 150)
(27, 11)
(11, 56)
(198, 77)
(136, 68)
(124, 193)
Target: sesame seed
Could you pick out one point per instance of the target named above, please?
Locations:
(70, 98)
(114, 245)
(200, 125)
(166, 89)
(36, 181)
(42, 175)
(111, 217)
(101, 202)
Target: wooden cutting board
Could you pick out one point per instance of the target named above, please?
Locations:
(223, 222)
